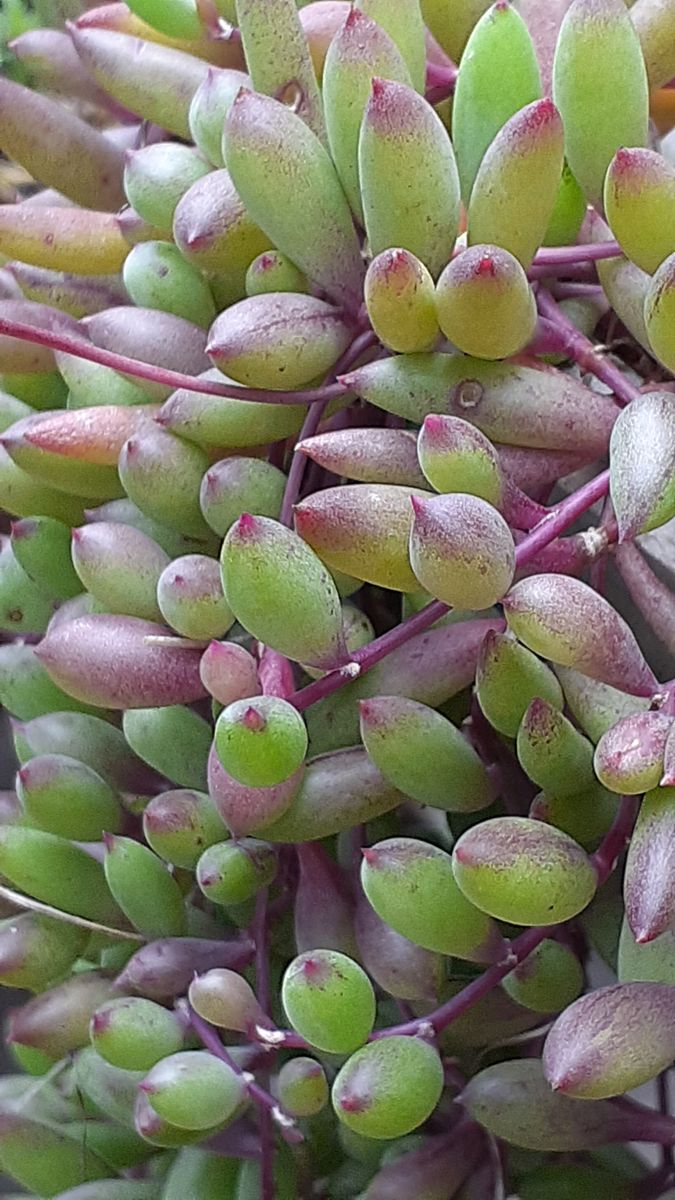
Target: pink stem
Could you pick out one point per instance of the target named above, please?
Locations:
(558, 520)
(174, 379)
(652, 596)
(604, 861)
(578, 346)
(561, 256)
(312, 421)
(265, 1102)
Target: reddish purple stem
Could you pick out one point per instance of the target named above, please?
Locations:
(81, 348)
(604, 861)
(578, 346)
(312, 421)
(562, 256)
(558, 520)
(265, 1102)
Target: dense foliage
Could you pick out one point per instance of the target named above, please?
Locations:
(337, 349)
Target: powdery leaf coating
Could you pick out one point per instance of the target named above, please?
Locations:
(273, 271)
(213, 229)
(654, 21)
(640, 205)
(649, 881)
(515, 190)
(660, 312)
(120, 566)
(179, 824)
(424, 755)
(586, 815)
(395, 963)
(400, 299)
(629, 758)
(269, 573)
(384, 456)
(237, 485)
(645, 962)
(486, 280)
(456, 457)
(233, 872)
(523, 871)
(329, 1000)
(190, 598)
(157, 82)
(600, 89)
(508, 678)
(611, 1040)
(164, 969)
(46, 137)
(388, 1088)
(63, 239)
(157, 176)
(209, 107)
(411, 886)
(64, 796)
(277, 340)
(362, 530)
(432, 667)
(596, 706)
(553, 753)
(278, 58)
(157, 275)
(461, 550)
(513, 1101)
(451, 22)
(226, 422)
(229, 672)
(109, 661)
(532, 406)
(291, 190)
(409, 181)
(162, 474)
(338, 791)
(174, 739)
(642, 486)
(548, 980)
(247, 809)
(565, 621)
(360, 50)
(57, 872)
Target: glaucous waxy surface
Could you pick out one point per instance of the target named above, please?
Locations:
(388, 1088)
(337, 448)
(523, 871)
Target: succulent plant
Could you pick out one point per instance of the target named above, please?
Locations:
(337, 346)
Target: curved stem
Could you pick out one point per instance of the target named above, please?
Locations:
(435, 1022)
(578, 346)
(81, 348)
(557, 521)
(211, 1041)
(312, 421)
